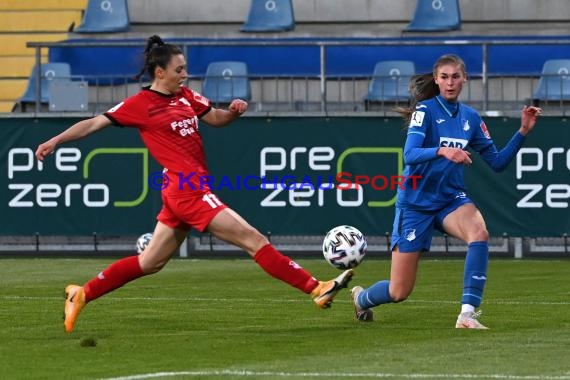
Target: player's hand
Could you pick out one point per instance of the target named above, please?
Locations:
(45, 149)
(529, 115)
(459, 156)
(238, 106)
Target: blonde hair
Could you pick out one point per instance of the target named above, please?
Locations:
(423, 86)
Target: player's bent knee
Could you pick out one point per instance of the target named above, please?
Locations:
(480, 235)
(400, 295)
(152, 267)
(254, 242)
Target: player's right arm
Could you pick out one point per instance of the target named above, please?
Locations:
(75, 132)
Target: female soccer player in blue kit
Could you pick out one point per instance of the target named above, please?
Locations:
(440, 130)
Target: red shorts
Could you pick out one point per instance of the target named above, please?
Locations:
(194, 210)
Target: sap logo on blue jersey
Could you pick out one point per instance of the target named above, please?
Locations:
(452, 143)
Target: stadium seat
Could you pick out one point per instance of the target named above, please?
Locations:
(554, 82)
(105, 16)
(49, 72)
(270, 16)
(225, 81)
(389, 82)
(435, 16)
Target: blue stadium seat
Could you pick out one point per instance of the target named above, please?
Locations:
(554, 82)
(389, 82)
(270, 16)
(105, 16)
(435, 15)
(226, 81)
(49, 72)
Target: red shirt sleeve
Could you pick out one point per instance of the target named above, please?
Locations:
(132, 112)
(200, 104)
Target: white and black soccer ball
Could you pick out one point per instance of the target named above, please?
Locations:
(143, 242)
(344, 247)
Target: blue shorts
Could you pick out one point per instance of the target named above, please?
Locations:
(413, 229)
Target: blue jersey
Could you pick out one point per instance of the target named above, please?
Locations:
(438, 123)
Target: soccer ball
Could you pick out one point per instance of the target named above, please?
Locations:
(344, 247)
(143, 241)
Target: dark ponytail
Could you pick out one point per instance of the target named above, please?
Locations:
(157, 54)
(421, 87)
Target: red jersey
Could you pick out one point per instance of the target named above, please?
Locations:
(168, 125)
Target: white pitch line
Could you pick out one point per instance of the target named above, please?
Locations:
(251, 300)
(281, 300)
(370, 375)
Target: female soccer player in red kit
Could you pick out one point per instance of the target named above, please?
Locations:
(166, 113)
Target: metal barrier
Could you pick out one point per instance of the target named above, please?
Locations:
(205, 245)
(325, 92)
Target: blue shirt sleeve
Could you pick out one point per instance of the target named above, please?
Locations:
(414, 153)
(414, 150)
(499, 160)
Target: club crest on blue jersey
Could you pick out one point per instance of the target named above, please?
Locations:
(410, 234)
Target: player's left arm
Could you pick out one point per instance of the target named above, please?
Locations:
(218, 117)
(499, 160)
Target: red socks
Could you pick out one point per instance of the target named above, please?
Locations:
(113, 277)
(285, 269)
(274, 263)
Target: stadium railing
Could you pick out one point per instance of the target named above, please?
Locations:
(205, 244)
(326, 89)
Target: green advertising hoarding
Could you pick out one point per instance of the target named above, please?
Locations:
(97, 184)
(284, 175)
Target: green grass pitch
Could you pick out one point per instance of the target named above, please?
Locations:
(227, 319)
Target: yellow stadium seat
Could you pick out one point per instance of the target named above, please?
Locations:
(26, 21)
(39, 21)
(19, 66)
(10, 5)
(12, 89)
(6, 106)
(15, 43)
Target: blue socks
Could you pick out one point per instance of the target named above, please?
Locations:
(375, 295)
(474, 279)
(475, 274)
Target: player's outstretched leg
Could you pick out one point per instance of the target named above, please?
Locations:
(324, 293)
(74, 302)
(468, 320)
(364, 315)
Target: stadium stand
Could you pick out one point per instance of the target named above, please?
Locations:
(225, 81)
(554, 83)
(108, 16)
(354, 38)
(389, 82)
(25, 21)
(270, 16)
(49, 72)
(439, 15)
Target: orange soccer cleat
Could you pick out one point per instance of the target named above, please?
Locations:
(74, 302)
(324, 293)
